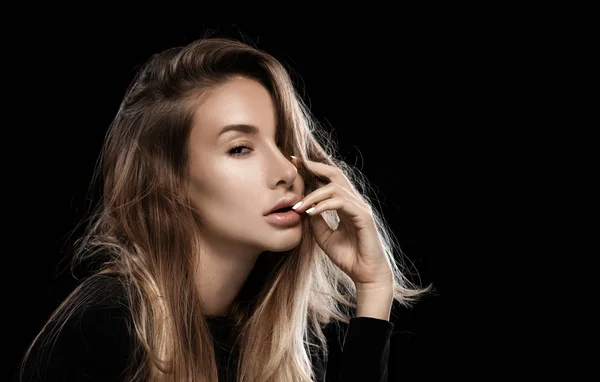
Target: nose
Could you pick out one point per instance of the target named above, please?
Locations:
(282, 170)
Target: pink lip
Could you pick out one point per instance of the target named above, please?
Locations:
(286, 219)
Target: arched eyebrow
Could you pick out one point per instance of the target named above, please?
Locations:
(242, 128)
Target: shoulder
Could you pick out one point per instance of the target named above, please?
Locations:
(90, 340)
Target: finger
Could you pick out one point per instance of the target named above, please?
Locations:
(300, 164)
(326, 192)
(320, 228)
(325, 205)
(342, 206)
(321, 168)
(331, 173)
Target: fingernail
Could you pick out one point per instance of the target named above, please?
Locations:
(297, 205)
(308, 211)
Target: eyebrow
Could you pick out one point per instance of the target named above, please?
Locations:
(243, 128)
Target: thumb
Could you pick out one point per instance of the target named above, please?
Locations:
(320, 228)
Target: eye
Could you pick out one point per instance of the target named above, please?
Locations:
(234, 151)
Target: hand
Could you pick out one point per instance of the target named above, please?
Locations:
(355, 246)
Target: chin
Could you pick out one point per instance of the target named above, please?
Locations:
(284, 244)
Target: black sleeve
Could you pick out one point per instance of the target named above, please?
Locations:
(93, 345)
(364, 354)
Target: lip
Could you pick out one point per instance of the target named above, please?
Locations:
(286, 201)
(284, 219)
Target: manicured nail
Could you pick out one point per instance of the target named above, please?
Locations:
(308, 211)
(297, 205)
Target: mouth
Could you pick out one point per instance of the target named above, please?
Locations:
(284, 217)
(285, 204)
(282, 210)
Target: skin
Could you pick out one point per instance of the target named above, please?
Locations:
(233, 192)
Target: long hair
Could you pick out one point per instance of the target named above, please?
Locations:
(146, 230)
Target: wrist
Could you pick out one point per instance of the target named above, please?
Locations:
(374, 300)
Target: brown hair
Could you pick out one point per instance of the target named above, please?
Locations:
(149, 230)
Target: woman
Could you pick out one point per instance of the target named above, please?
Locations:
(207, 273)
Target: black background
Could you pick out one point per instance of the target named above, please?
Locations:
(476, 137)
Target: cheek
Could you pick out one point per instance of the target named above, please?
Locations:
(299, 183)
(194, 183)
(243, 175)
(236, 182)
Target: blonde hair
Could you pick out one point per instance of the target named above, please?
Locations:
(150, 232)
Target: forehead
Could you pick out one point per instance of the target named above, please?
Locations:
(240, 101)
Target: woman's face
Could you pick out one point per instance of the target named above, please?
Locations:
(233, 187)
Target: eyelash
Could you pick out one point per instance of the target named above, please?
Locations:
(239, 147)
(243, 146)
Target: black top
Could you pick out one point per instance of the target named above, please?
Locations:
(95, 345)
